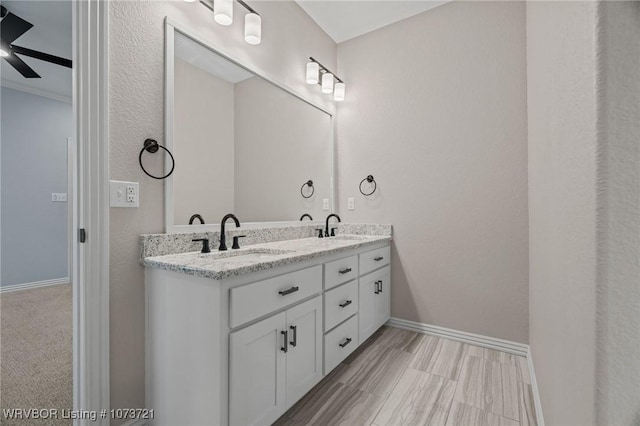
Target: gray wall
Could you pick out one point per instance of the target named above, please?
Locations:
(136, 96)
(436, 111)
(34, 164)
(584, 208)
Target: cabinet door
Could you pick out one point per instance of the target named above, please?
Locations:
(383, 300)
(257, 372)
(367, 307)
(304, 356)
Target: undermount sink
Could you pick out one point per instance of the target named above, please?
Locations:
(244, 255)
(349, 237)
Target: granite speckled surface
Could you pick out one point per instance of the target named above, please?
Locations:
(219, 265)
(163, 244)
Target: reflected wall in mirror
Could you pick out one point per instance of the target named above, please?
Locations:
(242, 144)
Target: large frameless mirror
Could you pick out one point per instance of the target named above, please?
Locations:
(241, 143)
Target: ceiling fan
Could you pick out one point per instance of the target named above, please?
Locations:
(12, 27)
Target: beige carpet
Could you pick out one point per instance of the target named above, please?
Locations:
(35, 351)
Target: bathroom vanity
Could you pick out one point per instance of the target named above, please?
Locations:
(238, 337)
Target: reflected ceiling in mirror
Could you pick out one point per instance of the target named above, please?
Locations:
(242, 144)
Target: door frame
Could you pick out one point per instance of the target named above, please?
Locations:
(90, 272)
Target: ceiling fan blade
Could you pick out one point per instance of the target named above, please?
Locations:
(21, 67)
(42, 56)
(13, 27)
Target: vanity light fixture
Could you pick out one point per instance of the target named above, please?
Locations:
(223, 15)
(319, 74)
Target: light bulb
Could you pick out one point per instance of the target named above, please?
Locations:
(3, 53)
(223, 11)
(252, 28)
(338, 93)
(327, 82)
(313, 70)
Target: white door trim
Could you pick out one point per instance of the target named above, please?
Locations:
(90, 274)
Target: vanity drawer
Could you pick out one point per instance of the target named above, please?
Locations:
(339, 304)
(374, 259)
(340, 271)
(252, 301)
(339, 343)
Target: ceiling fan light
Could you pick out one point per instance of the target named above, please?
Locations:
(223, 11)
(313, 70)
(252, 28)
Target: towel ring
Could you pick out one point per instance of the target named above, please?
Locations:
(152, 146)
(308, 183)
(368, 179)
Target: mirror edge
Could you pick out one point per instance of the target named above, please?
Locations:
(169, 226)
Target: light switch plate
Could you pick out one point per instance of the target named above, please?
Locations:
(124, 194)
(325, 204)
(59, 197)
(351, 203)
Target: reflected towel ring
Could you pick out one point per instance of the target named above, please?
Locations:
(152, 146)
(308, 183)
(368, 179)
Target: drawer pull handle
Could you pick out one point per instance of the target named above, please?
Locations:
(291, 290)
(294, 342)
(378, 259)
(345, 271)
(345, 343)
(285, 348)
(345, 304)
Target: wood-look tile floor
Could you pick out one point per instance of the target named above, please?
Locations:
(399, 377)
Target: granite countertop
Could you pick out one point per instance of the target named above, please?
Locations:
(253, 258)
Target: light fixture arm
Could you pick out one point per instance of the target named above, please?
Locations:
(209, 4)
(323, 69)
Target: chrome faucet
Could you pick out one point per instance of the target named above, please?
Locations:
(326, 228)
(223, 239)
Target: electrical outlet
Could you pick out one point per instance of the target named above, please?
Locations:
(59, 197)
(351, 203)
(124, 194)
(325, 204)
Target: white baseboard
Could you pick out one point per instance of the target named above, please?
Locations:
(515, 348)
(36, 284)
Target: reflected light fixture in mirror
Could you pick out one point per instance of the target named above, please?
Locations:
(319, 74)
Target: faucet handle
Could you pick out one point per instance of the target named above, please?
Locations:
(333, 232)
(320, 232)
(236, 244)
(205, 244)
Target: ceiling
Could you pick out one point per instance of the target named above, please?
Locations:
(346, 19)
(51, 33)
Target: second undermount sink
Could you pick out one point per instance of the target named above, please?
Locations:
(244, 255)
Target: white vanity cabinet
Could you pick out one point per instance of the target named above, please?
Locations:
(242, 350)
(274, 362)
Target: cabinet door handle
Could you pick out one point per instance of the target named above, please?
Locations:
(344, 271)
(294, 342)
(285, 348)
(345, 343)
(376, 291)
(291, 290)
(380, 288)
(378, 259)
(345, 304)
